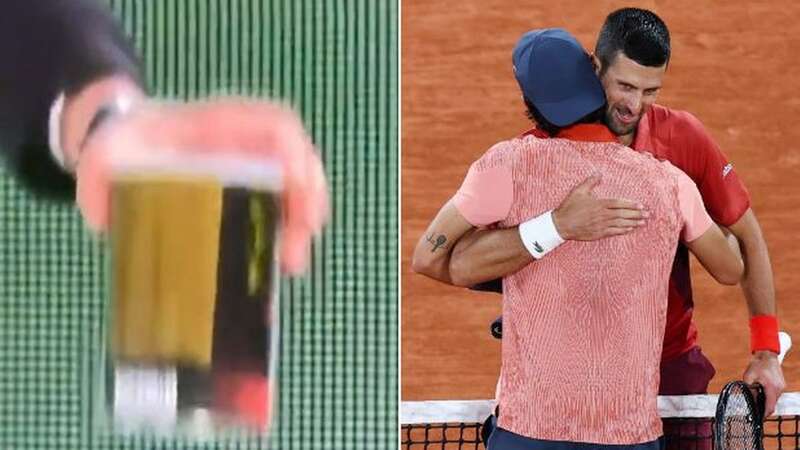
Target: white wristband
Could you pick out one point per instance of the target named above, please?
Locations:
(539, 235)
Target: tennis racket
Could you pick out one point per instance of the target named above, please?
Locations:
(739, 421)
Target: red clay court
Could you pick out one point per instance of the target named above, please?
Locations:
(733, 65)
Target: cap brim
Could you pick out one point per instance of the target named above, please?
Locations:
(569, 111)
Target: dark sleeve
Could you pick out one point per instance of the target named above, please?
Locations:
(48, 47)
(489, 286)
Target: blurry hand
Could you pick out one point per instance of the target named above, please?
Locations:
(241, 127)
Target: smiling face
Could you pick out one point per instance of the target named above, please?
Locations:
(631, 89)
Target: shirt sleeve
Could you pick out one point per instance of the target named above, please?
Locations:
(49, 48)
(696, 221)
(486, 195)
(724, 194)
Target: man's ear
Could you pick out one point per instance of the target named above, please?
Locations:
(595, 63)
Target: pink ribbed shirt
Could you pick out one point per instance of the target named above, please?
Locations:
(583, 327)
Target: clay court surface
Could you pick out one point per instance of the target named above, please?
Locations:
(734, 65)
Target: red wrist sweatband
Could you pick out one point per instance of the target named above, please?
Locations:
(764, 334)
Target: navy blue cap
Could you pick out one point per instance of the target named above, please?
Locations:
(556, 75)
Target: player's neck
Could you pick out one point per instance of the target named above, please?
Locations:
(627, 139)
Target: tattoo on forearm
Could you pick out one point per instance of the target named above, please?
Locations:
(438, 242)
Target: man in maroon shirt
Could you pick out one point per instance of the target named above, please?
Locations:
(632, 78)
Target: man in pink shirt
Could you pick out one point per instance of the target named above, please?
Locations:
(584, 327)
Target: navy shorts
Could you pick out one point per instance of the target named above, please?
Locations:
(505, 440)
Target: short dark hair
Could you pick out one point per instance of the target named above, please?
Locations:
(548, 127)
(638, 33)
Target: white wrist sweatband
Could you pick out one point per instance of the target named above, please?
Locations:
(539, 235)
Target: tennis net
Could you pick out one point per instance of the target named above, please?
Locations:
(688, 423)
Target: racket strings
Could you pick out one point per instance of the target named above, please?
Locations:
(739, 419)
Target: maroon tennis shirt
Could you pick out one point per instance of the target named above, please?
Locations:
(678, 137)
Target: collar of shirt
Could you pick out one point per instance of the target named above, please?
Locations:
(535, 132)
(591, 132)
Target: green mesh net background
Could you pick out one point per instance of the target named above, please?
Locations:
(336, 61)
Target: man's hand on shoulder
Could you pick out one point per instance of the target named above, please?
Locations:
(583, 217)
